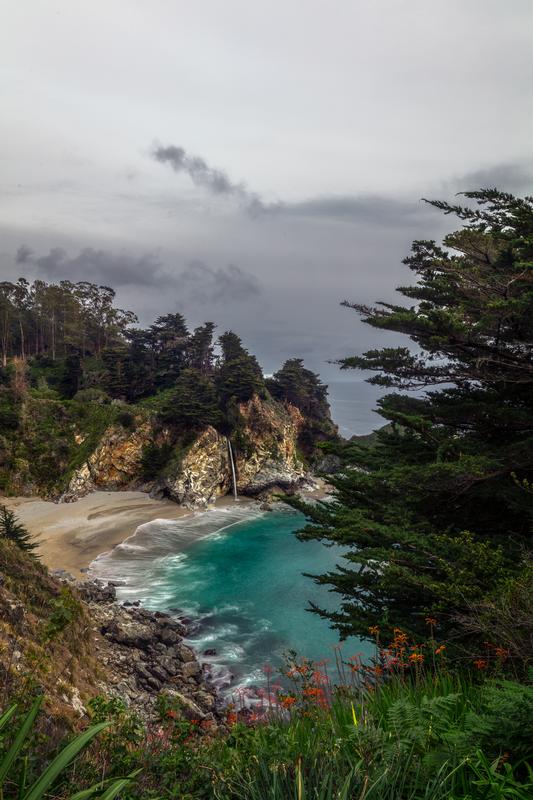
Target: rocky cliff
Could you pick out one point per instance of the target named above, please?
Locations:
(114, 464)
(76, 642)
(263, 442)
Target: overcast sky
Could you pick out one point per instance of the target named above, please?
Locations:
(251, 162)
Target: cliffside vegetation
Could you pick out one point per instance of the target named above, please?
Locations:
(74, 366)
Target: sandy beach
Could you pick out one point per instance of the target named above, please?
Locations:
(71, 535)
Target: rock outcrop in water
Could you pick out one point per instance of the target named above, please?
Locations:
(264, 444)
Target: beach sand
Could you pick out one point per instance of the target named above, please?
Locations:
(71, 535)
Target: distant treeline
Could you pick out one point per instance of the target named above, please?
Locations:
(72, 339)
(57, 319)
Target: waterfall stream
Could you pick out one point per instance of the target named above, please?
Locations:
(232, 462)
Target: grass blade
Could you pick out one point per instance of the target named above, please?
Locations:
(63, 760)
(23, 732)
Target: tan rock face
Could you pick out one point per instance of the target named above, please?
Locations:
(204, 472)
(115, 464)
(267, 456)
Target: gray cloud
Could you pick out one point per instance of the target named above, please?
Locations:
(375, 210)
(204, 285)
(24, 254)
(368, 209)
(97, 266)
(216, 181)
(197, 283)
(515, 178)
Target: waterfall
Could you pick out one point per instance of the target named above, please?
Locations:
(232, 462)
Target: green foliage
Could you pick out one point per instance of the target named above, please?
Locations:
(12, 529)
(126, 419)
(12, 756)
(9, 412)
(302, 388)
(154, 459)
(65, 610)
(240, 377)
(436, 515)
(193, 403)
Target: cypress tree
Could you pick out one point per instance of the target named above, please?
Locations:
(240, 375)
(438, 514)
(193, 404)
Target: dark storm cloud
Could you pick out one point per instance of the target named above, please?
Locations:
(198, 283)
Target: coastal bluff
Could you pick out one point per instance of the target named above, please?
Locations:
(264, 444)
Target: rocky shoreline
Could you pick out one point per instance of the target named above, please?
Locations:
(143, 654)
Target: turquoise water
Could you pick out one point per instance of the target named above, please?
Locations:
(240, 573)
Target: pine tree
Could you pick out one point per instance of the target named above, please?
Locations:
(193, 404)
(12, 529)
(169, 340)
(240, 375)
(438, 514)
(199, 354)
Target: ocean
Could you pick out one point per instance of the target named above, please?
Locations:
(352, 407)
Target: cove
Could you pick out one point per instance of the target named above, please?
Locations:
(239, 573)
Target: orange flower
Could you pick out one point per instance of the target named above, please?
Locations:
(481, 663)
(400, 638)
(313, 691)
(502, 652)
(231, 718)
(440, 650)
(288, 701)
(416, 658)
(373, 630)
(431, 621)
